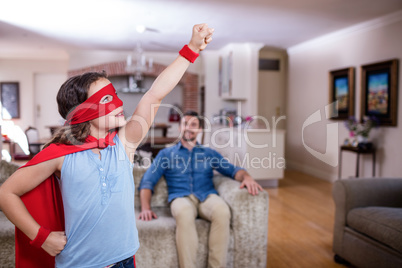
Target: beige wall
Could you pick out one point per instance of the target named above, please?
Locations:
(24, 71)
(272, 87)
(309, 65)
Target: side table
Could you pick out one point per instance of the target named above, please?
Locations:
(357, 150)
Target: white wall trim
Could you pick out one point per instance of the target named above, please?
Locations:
(355, 29)
(324, 175)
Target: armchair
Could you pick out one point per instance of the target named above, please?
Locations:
(368, 222)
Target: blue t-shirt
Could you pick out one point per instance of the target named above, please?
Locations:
(98, 198)
(187, 172)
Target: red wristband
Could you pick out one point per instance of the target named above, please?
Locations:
(40, 238)
(188, 54)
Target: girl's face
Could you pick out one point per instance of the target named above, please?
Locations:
(110, 121)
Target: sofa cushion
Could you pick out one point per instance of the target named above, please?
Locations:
(383, 224)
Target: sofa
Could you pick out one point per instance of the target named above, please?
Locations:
(7, 248)
(368, 222)
(248, 235)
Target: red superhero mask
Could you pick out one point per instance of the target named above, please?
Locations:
(92, 108)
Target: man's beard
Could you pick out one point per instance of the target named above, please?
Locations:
(192, 139)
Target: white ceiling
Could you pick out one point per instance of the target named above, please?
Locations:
(69, 25)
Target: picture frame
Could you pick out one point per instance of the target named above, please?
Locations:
(379, 91)
(10, 100)
(342, 91)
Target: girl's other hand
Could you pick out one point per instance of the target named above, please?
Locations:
(202, 36)
(55, 243)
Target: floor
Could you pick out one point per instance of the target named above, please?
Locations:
(300, 224)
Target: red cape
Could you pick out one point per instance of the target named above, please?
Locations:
(45, 204)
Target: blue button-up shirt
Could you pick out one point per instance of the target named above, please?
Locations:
(187, 172)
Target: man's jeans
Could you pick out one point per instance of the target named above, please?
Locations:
(213, 209)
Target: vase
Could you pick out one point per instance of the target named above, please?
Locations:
(362, 139)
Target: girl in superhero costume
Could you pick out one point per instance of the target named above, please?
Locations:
(73, 203)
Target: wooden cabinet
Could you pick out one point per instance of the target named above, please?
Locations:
(259, 151)
(232, 82)
(238, 71)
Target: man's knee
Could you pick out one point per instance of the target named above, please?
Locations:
(221, 212)
(184, 214)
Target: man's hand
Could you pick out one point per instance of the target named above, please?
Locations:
(202, 36)
(55, 243)
(247, 181)
(147, 215)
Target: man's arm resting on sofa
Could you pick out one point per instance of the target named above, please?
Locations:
(247, 181)
(229, 170)
(146, 213)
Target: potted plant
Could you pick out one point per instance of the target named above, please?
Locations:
(361, 130)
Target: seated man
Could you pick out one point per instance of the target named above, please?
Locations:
(188, 169)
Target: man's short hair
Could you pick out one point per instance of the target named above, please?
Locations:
(194, 114)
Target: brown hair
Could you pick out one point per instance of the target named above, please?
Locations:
(72, 93)
(196, 115)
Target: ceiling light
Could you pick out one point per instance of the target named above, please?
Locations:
(140, 28)
(137, 65)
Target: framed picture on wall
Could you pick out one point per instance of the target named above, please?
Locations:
(10, 100)
(342, 93)
(379, 92)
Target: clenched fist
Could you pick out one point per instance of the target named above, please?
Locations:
(202, 36)
(55, 243)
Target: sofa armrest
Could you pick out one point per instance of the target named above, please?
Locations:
(363, 192)
(160, 194)
(6, 170)
(353, 193)
(249, 222)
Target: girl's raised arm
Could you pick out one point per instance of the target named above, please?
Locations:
(136, 129)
